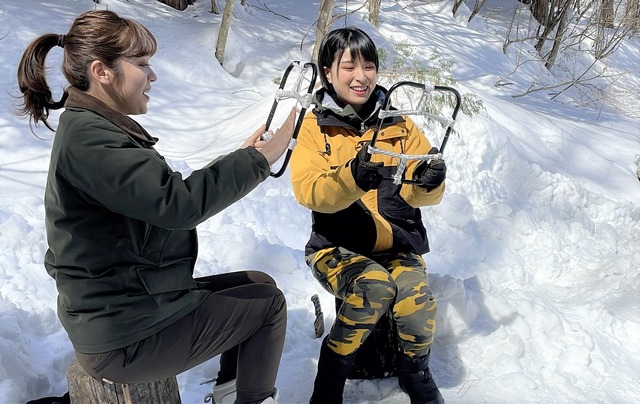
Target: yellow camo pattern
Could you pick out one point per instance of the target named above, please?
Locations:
(368, 288)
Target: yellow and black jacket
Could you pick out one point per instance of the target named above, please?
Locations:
(384, 220)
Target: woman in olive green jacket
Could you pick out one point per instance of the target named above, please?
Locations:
(121, 224)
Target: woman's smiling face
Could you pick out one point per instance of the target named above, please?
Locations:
(133, 83)
(353, 79)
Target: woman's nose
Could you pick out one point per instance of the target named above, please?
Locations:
(360, 74)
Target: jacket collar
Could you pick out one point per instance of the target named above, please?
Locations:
(330, 113)
(80, 99)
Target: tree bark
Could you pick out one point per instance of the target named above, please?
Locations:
(215, 8)
(456, 6)
(177, 4)
(374, 11)
(223, 33)
(540, 10)
(324, 18)
(551, 59)
(607, 14)
(632, 15)
(478, 6)
(85, 389)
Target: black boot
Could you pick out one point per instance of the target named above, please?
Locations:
(415, 380)
(331, 377)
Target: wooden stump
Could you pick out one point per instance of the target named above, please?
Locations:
(84, 389)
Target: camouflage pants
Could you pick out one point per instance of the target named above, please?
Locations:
(368, 288)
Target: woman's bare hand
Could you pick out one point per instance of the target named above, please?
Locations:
(272, 148)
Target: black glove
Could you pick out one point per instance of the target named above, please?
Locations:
(430, 174)
(366, 173)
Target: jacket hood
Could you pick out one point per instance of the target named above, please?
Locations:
(329, 112)
(80, 99)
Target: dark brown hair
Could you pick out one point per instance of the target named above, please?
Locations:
(95, 35)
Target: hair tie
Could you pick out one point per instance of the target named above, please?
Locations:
(61, 39)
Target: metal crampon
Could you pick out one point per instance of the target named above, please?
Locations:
(421, 109)
(303, 99)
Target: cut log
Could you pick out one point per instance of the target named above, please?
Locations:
(84, 389)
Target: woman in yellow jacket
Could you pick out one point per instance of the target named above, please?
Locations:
(367, 237)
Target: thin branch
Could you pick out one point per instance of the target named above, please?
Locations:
(267, 9)
(568, 84)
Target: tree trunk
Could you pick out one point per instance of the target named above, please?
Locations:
(215, 8)
(540, 10)
(554, 11)
(551, 59)
(478, 6)
(374, 11)
(632, 16)
(542, 38)
(324, 18)
(456, 6)
(606, 14)
(177, 4)
(223, 33)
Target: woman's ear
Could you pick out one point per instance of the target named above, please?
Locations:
(100, 72)
(327, 74)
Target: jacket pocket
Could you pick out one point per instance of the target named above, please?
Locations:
(153, 243)
(401, 214)
(409, 234)
(167, 279)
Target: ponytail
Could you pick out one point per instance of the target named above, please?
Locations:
(95, 35)
(37, 97)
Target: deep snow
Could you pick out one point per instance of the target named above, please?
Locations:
(535, 247)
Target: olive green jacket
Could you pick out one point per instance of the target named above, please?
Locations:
(121, 225)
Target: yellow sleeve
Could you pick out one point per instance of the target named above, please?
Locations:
(317, 185)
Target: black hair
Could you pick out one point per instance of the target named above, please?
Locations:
(336, 42)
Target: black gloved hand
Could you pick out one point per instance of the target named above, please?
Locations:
(430, 173)
(366, 173)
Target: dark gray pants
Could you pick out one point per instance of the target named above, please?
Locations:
(244, 319)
